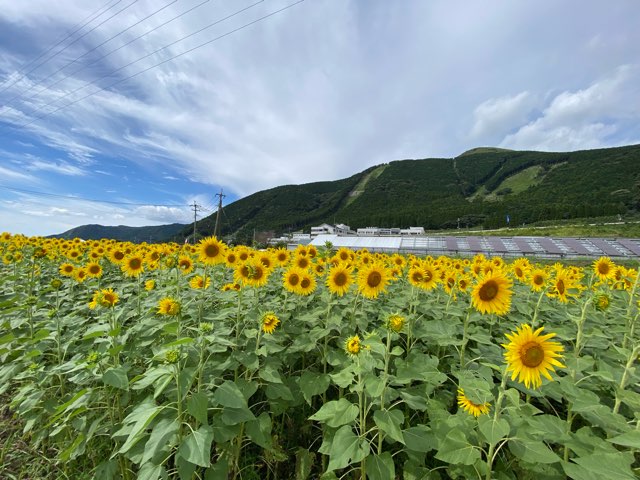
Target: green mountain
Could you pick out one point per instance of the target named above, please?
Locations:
(159, 233)
(480, 188)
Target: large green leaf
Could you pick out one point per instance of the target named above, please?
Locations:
(346, 448)
(629, 439)
(607, 466)
(533, 451)
(116, 377)
(380, 467)
(455, 448)
(139, 419)
(229, 395)
(390, 422)
(493, 429)
(163, 435)
(419, 439)
(312, 384)
(197, 406)
(196, 447)
(336, 413)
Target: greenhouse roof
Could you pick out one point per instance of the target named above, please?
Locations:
(548, 247)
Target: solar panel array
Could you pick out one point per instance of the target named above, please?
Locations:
(547, 247)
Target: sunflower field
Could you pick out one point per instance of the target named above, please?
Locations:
(166, 361)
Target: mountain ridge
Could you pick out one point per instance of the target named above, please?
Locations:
(478, 188)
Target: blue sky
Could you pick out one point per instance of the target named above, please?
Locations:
(318, 91)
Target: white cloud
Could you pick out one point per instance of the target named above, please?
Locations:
(62, 167)
(497, 116)
(586, 118)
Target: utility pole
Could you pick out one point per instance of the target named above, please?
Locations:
(220, 197)
(195, 208)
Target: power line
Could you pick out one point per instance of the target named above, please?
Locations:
(82, 87)
(77, 39)
(246, 25)
(93, 16)
(71, 62)
(119, 48)
(70, 197)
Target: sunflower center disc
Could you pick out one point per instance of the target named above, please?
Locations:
(305, 283)
(374, 279)
(532, 354)
(294, 279)
(340, 279)
(211, 251)
(560, 286)
(488, 291)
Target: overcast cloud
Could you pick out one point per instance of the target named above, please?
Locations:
(319, 91)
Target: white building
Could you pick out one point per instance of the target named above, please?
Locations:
(412, 231)
(324, 229)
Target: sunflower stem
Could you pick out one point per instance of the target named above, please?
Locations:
(385, 378)
(630, 319)
(496, 416)
(625, 376)
(573, 372)
(465, 326)
(535, 311)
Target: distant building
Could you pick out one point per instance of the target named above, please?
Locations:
(369, 231)
(324, 229)
(412, 231)
(327, 229)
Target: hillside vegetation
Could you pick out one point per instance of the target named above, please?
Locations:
(480, 187)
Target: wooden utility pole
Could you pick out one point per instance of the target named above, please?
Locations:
(216, 228)
(195, 207)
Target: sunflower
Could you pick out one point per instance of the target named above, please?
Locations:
(307, 284)
(395, 322)
(269, 322)
(604, 268)
(80, 274)
(105, 298)
(416, 275)
(281, 256)
(319, 269)
(602, 301)
(424, 275)
(199, 283)
(562, 287)
(133, 265)
(230, 258)
(211, 251)
(94, 270)
(492, 294)
(231, 286)
(302, 262)
(252, 273)
(267, 260)
(530, 354)
(538, 279)
(149, 285)
(66, 269)
(398, 260)
(168, 306)
(520, 269)
(185, 264)
(353, 346)
(475, 409)
(339, 280)
(291, 279)
(116, 255)
(344, 254)
(372, 280)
